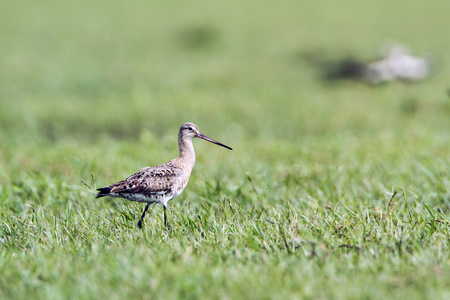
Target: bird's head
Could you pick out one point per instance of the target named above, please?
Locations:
(190, 130)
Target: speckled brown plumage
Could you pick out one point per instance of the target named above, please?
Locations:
(162, 183)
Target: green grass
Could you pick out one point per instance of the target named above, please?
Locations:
(333, 190)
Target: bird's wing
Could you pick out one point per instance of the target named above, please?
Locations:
(152, 180)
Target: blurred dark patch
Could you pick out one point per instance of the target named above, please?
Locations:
(197, 37)
(410, 106)
(346, 69)
(333, 68)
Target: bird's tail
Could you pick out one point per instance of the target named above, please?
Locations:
(102, 192)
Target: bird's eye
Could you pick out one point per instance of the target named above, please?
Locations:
(190, 128)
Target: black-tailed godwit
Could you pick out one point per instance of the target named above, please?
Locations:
(162, 183)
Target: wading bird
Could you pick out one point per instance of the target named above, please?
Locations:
(162, 183)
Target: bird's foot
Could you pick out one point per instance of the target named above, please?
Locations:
(140, 224)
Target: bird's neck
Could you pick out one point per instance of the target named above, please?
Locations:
(186, 152)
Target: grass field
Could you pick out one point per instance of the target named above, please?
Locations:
(334, 190)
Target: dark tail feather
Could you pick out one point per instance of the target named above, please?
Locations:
(102, 192)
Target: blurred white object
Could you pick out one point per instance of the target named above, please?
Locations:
(399, 64)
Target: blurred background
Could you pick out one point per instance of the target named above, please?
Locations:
(83, 77)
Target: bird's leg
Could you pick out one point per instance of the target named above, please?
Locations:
(165, 218)
(143, 215)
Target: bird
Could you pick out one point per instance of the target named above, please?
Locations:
(161, 183)
(396, 63)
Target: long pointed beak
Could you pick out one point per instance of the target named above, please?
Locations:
(204, 137)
